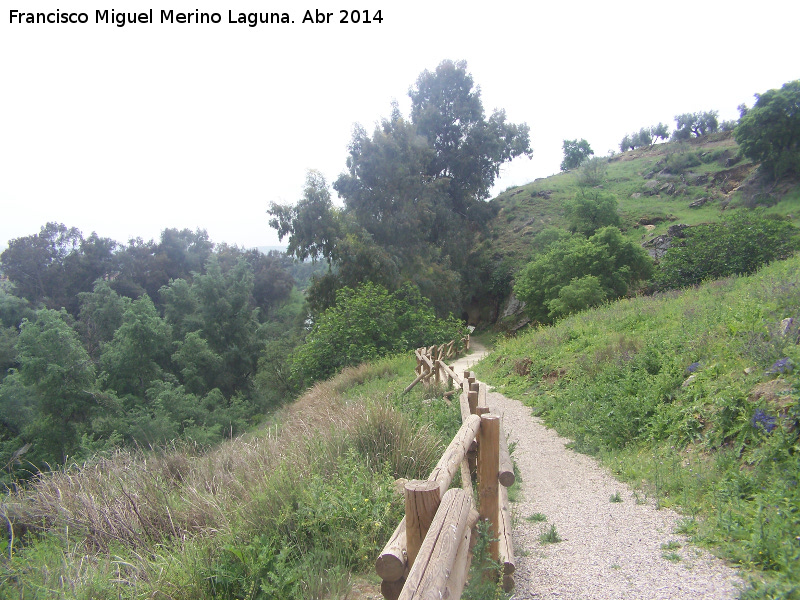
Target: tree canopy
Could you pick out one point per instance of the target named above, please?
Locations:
(414, 190)
(575, 153)
(769, 132)
(697, 124)
(736, 246)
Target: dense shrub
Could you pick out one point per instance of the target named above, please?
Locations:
(577, 273)
(738, 245)
(368, 322)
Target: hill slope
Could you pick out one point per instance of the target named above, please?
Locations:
(693, 397)
(688, 182)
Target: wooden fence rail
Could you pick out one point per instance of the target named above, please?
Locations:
(429, 553)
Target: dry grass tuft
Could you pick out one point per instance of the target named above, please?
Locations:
(140, 499)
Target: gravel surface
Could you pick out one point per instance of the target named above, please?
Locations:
(609, 550)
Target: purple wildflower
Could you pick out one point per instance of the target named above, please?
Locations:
(693, 367)
(783, 365)
(764, 421)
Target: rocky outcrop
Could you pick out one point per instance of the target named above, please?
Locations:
(658, 246)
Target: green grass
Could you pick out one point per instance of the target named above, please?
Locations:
(680, 391)
(290, 511)
(536, 518)
(550, 536)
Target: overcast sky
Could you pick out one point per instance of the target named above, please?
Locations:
(127, 131)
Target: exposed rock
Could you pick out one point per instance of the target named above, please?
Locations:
(699, 202)
(668, 188)
(774, 393)
(677, 230)
(658, 246)
(512, 307)
(651, 187)
(688, 381)
(786, 325)
(636, 195)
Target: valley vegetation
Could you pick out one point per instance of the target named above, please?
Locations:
(167, 419)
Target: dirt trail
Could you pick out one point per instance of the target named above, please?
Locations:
(609, 550)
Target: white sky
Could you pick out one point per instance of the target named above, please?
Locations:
(127, 131)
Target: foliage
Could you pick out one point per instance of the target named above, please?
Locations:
(769, 132)
(368, 322)
(485, 574)
(586, 213)
(414, 192)
(690, 393)
(60, 377)
(698, 124)
(592, 172)
(736, 246)
(606, 265)
(285, 512)
(312, 225)
(575, 153)
(644, 137)
(468, 149)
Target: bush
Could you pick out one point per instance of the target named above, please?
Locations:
(736, 246)
(576, 273)
(368, 322)
(588, 213)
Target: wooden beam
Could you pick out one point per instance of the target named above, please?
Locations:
(419, 378)
(458, 577)
(392, 561)
(505, 543)
(450, 373)
(482, 394)
(506, 474)
(391, 589)
(450, 461)
(436, 558)
(488, 466)
(472, 398)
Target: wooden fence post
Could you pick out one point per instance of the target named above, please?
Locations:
(488, 467)
(422, 500)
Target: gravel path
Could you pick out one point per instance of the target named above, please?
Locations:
(609, 550)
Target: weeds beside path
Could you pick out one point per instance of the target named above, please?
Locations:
(612, 543)
(608, 549)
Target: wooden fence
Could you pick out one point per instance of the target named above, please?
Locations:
(429, 554)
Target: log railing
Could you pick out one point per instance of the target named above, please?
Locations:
(430, 363)
(429, 553)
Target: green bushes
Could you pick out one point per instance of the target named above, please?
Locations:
(366, 323)
(577, 273)
(288, 512)
(736, 246)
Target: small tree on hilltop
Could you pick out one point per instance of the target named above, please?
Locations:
(575, 152)
(769, 132)
(695, 125)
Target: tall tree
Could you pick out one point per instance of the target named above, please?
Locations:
(446, 108)
(312, 225)
(56, 366)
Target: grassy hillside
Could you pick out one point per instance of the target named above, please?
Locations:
(654, 186)
(291, 511)
(694, 398)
